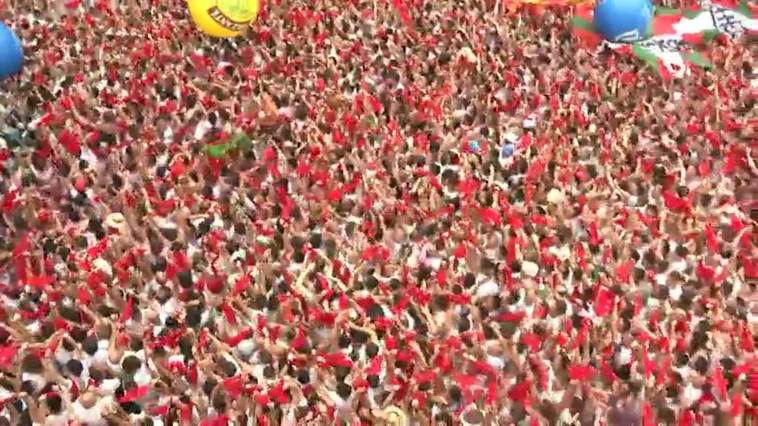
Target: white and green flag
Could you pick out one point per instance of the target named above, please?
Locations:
(676, 38)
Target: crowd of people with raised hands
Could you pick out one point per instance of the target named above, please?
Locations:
(446, 212)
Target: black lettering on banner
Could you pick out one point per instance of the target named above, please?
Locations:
(225, 21)
(726, 21)
(663, 44)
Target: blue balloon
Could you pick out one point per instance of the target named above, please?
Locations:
(623, 20)
(11, 52)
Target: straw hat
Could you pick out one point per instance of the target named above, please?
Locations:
(393, 416)
(116, 221)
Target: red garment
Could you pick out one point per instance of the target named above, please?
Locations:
(581, 372)
(234, 386)
(134, 394)
(520, 391)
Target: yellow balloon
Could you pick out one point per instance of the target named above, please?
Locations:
(223, 18)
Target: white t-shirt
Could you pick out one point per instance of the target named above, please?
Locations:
(202, 128)
(92, 416)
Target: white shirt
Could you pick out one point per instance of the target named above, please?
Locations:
(202, 128)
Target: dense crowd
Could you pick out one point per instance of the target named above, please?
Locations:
(447, 213)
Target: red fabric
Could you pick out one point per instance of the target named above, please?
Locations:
(581, 372)
(234, 386)
(337, 360)
(128, 310)
(520, 391)
(134, 394)
(604, 302)
(7, 355)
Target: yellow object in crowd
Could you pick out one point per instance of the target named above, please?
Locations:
(223, 18)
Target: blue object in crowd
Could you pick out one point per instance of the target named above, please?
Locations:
(507, 150)
(473, 146)
(623, 20)
(11, 52)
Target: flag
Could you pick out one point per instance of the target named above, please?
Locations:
(239, 141)
(219, 150)
(584, 29)
(669, 56)
(671, 44)
(134, 394)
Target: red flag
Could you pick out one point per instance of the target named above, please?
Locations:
(720, 383)
(84, 297)
(134, 394)
(465, 380)
(128, 310)
(532, 341)
(299, 341)
(736, 408)
(581, 372)
(402, 10)
(490, 216)
(510, 316)
(337, 360)
(647, 363)
(375, 366)
(229, 314)
(520, 391)
(604, 302)
(711, 239)
(607, 371)
(278, 395)
(648, 418)
(424, 376)
(7, 355)
(21, 247)
(234, 386)
(624, 271)
(239, 337)
(160, 410)
(40, 282)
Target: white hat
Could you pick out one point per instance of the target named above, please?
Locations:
(102, 265)
(555, 196)
(530, 268)
(246, 347)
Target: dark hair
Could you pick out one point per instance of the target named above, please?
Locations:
(193, 316)
(78, 334)
(53, 402)
(131, 364)
(372, 350)
(316, 240)
(209, 385)
(31, 364)
(96, 374)
(303, 376)
(344, 390)
(269, 372)
(185, 279)
(74, 367)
